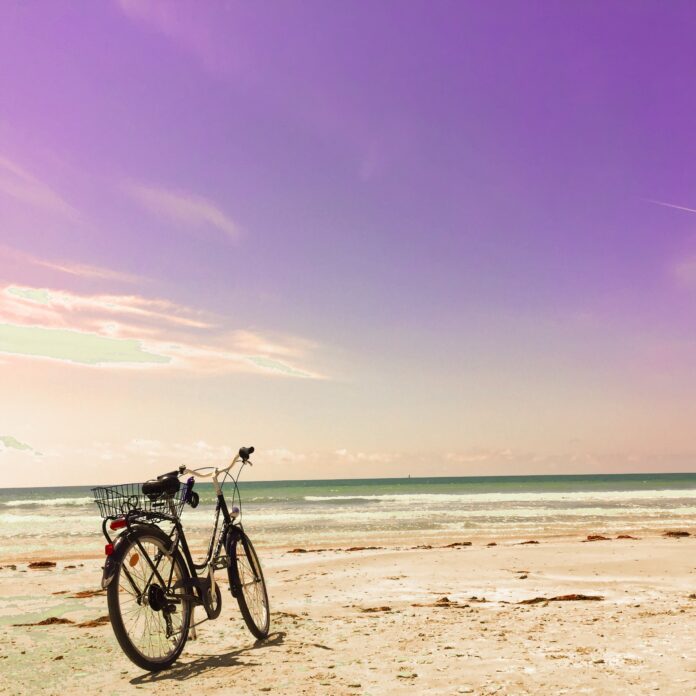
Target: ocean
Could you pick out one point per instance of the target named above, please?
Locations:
(309, 514)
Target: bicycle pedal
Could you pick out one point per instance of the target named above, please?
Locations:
(222, 562)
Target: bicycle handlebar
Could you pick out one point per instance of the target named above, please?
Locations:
(183, 469)
(244, 454)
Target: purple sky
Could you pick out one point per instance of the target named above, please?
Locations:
(449, 219)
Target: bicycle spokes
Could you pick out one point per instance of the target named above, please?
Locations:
(152, 615)
(251, 584)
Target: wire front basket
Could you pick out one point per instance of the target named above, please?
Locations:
(116, 501)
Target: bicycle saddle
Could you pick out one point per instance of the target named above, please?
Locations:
(166, 484)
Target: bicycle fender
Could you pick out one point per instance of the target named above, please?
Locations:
(234, 534)
(113, 560)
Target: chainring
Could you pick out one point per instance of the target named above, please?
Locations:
(213, 605)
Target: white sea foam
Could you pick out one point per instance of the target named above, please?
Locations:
(359, 512)
(528, 497)
(494, 516)
(50, 502)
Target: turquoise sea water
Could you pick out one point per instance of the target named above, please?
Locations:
(398, 511)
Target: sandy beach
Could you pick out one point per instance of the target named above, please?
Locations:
(478, 619)
(401, 292)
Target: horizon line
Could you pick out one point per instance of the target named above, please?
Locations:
(395, 478)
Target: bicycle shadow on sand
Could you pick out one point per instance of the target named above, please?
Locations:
(181, 671)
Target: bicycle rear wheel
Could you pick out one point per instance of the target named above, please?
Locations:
(248, 585)
(149, 617)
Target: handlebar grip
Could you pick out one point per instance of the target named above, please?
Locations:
(245, 453)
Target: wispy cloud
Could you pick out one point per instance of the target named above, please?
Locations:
(8, 442)
(197, 453)
(147, 11)
(266, 344)
(183, 23)
(79, 270)
(275, 459)
(685, 272)
(73, 346)
(480, 456)
(83, 270)
(672, 205)
(182, 208)
(138, 332)
(96, 311)
(224, 355)
(19, 184)
(344, 455)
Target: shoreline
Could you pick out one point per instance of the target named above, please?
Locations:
(385, 543)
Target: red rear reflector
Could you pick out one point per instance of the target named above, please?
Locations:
(108, 549)
(117, 524)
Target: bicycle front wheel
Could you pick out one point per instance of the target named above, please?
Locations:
(249, 586)
(149, 616)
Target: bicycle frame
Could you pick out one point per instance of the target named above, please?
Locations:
(214, 559)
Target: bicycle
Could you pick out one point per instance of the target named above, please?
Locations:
(153, 584)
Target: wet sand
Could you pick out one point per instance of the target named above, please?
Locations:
(467, 619)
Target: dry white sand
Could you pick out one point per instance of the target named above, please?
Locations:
(369, 622)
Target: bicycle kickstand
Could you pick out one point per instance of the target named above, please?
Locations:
(193, 635)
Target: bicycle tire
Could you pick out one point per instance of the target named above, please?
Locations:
(120, 587)
(252, 603)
